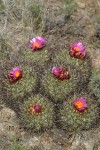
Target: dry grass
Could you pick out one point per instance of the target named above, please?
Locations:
(19, 21)
(24, 19)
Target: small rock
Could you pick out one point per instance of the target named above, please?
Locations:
(8, 129)
(89, 145)
(7, 114)
(31, 142)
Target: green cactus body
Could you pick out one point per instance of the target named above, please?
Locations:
(94, 84)
(39, 57)
(72, 119)
(40, 121)
(79, 71)
(26, 85)
(82, 67)
(55, 88)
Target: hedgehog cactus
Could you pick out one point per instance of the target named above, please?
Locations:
(78, 114)
(57, 77)
(38, 55)
(78, 70)
(55, 88)
(27, 84)
(18, 81)
(37, 113)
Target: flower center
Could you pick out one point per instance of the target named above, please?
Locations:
(36, 44)
(17, 74)
(79, 104)
(76, 49)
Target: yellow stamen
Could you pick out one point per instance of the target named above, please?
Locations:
(76, 49)
(17, 74)
(36, 44)
(79, 104)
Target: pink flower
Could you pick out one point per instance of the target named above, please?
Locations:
(55, 71)
(37, 43)
(15, 75)
(78, 50)
(80, 104)
(60, 73)
(35, 109)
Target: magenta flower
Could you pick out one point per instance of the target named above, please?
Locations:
(37, 108)
(78, 50)
(80, 104)
(15, 74)
(34, 109)
(55, 71)
(60, 73)
(37, 43)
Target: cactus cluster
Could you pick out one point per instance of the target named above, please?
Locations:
(60, 77)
